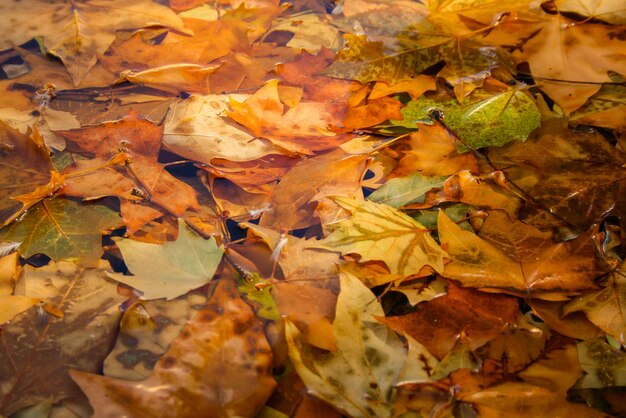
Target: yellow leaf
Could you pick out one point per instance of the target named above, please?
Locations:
(380, 232)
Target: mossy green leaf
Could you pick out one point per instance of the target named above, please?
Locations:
(492, 121)
(172, 269)
(63, 229)
(257, 291)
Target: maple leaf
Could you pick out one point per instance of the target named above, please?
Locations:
(141, 176)
(39, 347)
(10, 304)
(606, 10)
(380, 232)
(63, 230)
(517, 257)
(229, 373)
(303, 128)
(438, 323)
(548, 169)
(357, 378)
(25, 166)
(197, 129)
(495, 120)
(81, 30)
(172, 269)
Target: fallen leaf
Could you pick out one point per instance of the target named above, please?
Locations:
(40, 348)
(438, 323)
(357, 378)
(81, 30)
(400, 191)
(172, 269)
(229, 373)
(10, 304)
(603, 365)
(380, 232)
(197, 129)
(606, 10)
(63, 230)
(605, 307)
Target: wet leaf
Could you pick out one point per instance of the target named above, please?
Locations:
(40, 348)
(401, 191)
(493, 121)
(605, 108)
(604, 365)
(369, 365)
(172, 269)
(380, 232)
(229, 372)
(80, 30)
(63, 230)
(517, 257)
(10, 304)
(197, 129)
(606, 307)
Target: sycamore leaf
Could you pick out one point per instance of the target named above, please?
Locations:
(496, 120)
(145, 333)
(38, 348)
(303, 128)
(219, 365)
(401, 191)
(380, 232)
(63, 230)
(197, 129)
(359, 376)
(141, 177)
(517, 257)
(604, 365)
(81, 30)
(172, 269)
(606, 307)
(438, 323)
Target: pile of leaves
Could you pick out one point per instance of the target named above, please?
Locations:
(369, 208)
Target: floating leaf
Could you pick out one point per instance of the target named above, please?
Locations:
(63, 230)
(493, 121)
(172, 269)
(258, 291)
(380, 232)
(604, 365)
(39, 348)
(606, 108)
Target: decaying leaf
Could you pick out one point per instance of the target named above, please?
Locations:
(219, 365)
(40, 348)
(172, 269)
(358, 377)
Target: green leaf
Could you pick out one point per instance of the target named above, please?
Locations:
(380, 232)
(605, 365)
(493, 121)
(172, 269)
(260, 296)
(401, 191)
(63, 230)
(358, 378)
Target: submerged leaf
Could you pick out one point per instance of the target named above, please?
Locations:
(604, 365)
(172, 269)
(401, 191)
(63, 230)
(38, 348)
(218, 366)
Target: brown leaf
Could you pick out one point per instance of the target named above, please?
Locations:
(38, 348)
(438, 323)
(218, 366)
